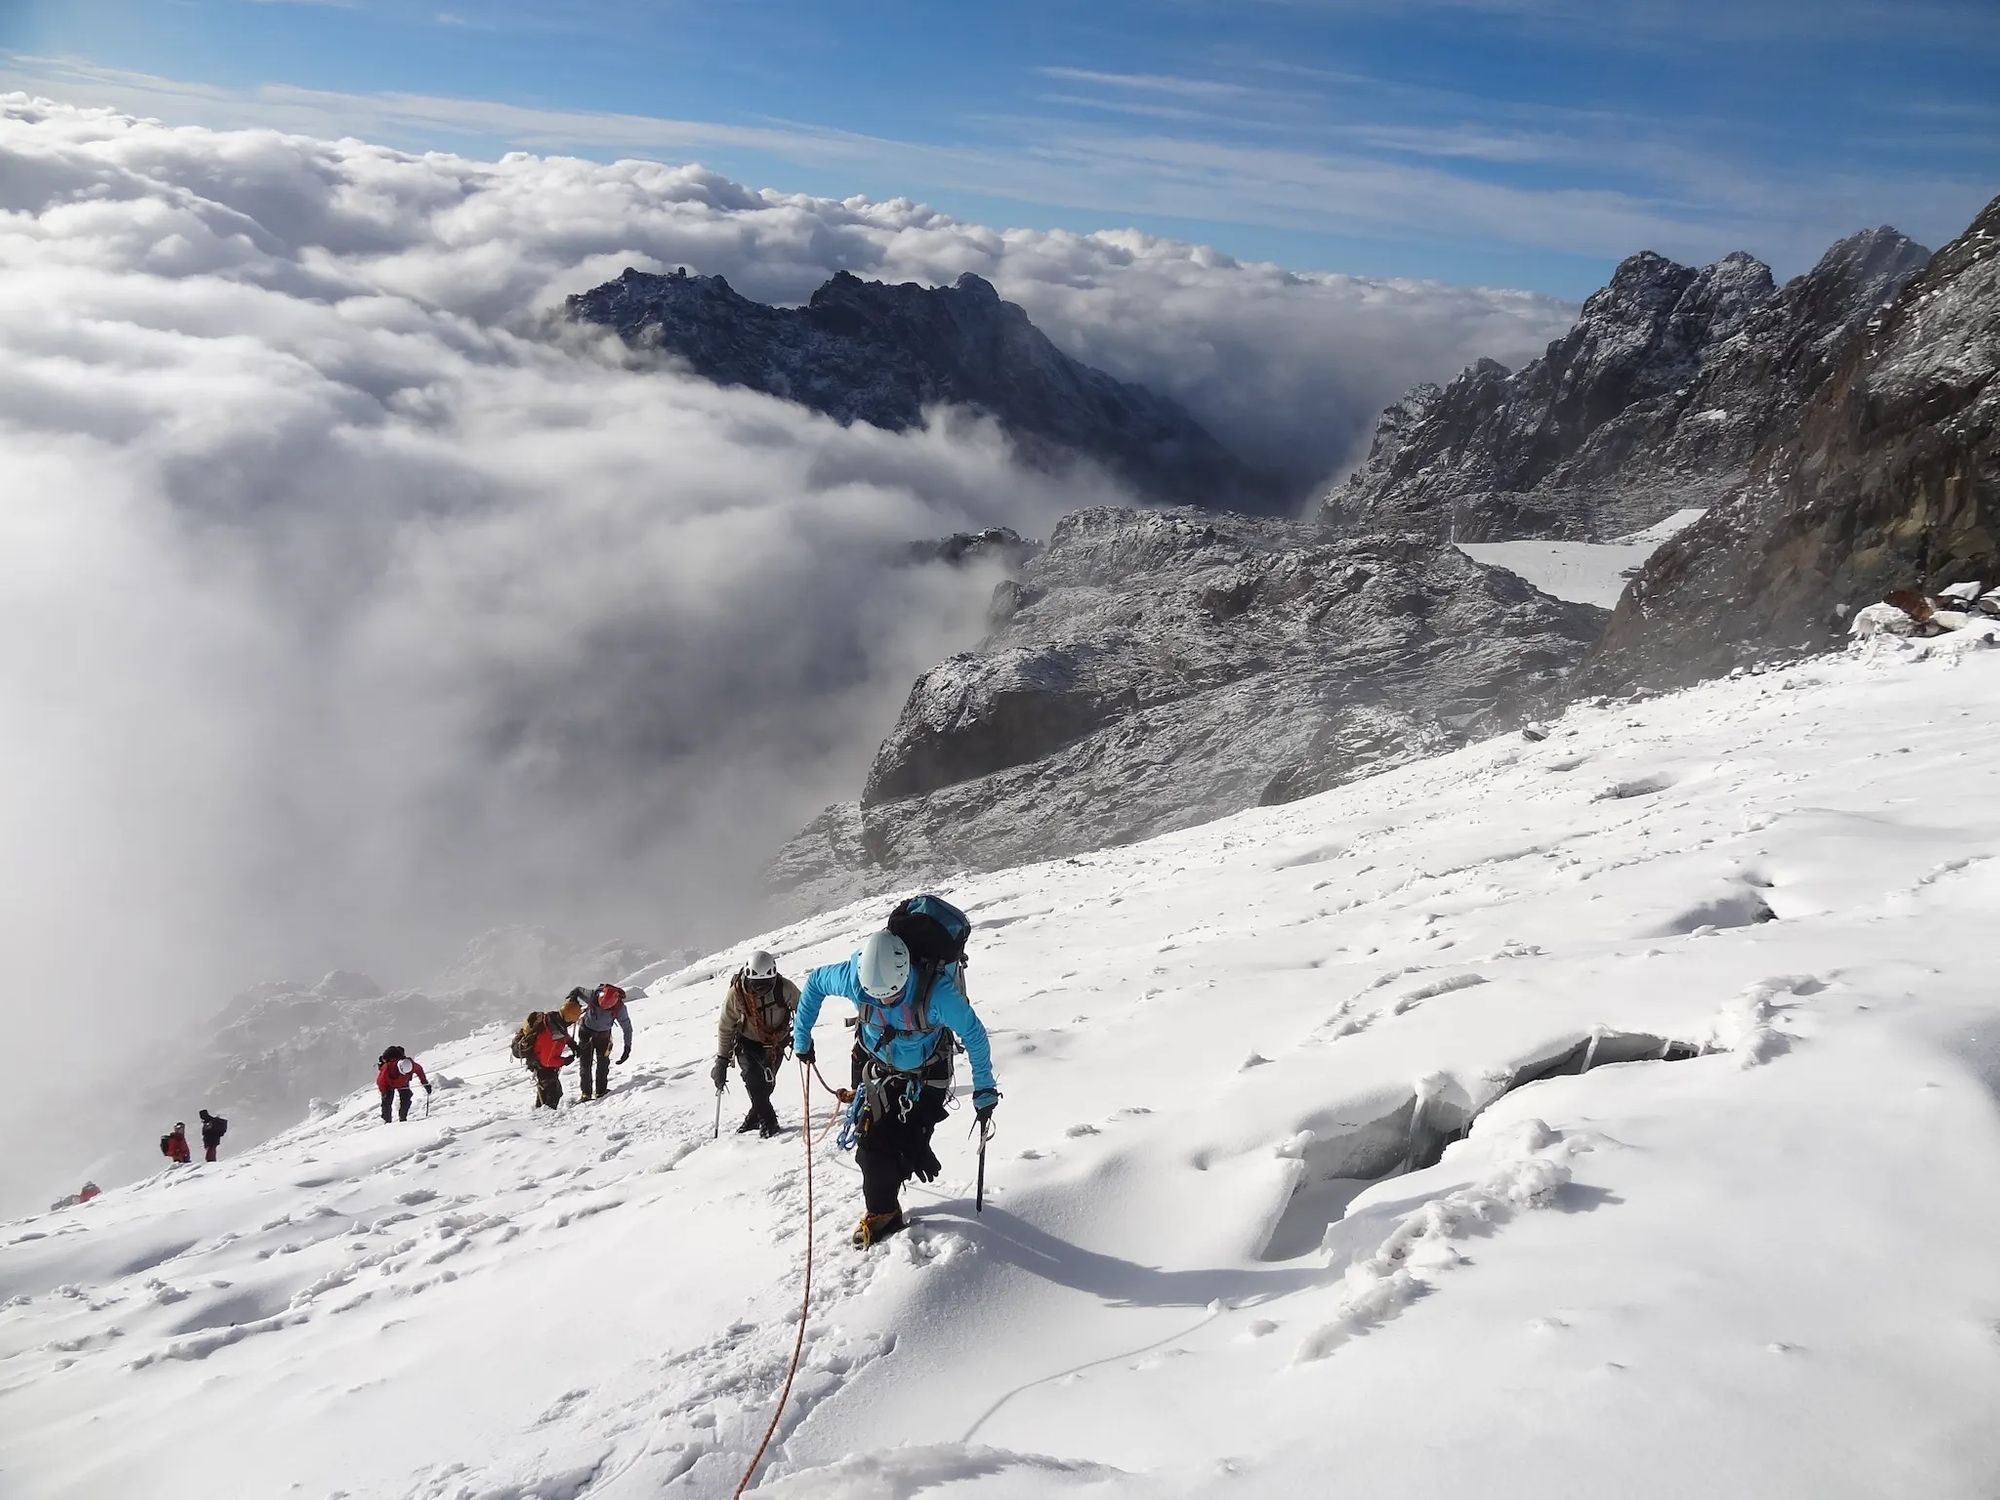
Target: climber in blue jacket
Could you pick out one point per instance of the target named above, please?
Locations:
(902, 1066)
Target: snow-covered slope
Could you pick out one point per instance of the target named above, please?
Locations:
(1583, 572)
(1763, 1269)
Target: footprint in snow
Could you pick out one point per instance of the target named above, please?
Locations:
(1076, 1131)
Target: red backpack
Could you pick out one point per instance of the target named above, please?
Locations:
(609, 997)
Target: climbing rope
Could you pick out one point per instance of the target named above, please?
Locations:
(805, 1301)
(841, 1097)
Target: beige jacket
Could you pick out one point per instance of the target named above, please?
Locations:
(768, 1022)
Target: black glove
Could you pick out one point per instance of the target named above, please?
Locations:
(985, 1113)
(924, 1165)
(806, 1057)
(625, 1054)
(427, 1088)
(719, 1074)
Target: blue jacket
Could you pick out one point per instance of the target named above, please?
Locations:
(903, 1049)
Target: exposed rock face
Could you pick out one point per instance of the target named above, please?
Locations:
(1153, 670)
(1890, 479)
(1654, 402)
(864, 351)
(997, 544)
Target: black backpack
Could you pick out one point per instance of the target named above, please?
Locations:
(935, 932)
(393, 1054)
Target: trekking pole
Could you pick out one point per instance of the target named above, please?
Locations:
(718, 1116)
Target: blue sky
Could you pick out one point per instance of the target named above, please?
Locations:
(1503, 142)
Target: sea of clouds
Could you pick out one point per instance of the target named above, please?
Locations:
(349, 604)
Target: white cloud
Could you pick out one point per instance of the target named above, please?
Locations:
(1325, 153)
(1150, 83)
(347, 605)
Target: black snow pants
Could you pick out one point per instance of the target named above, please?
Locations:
(593, 1049)
(760, 1075)
(388, 1096)
(548, 1087)
(898, 1114)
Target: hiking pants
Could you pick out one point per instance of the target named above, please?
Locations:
(388, 1096)
(899, 1112)
(209, 1153)
(593, 1048)
(548, 1088)
(760, 1076)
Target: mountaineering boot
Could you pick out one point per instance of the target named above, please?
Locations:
(749, 1122)
(770, 1128)
(585, 1094)
(874, 1228)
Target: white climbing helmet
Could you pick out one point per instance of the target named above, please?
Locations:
(884, 966)
(761, 966)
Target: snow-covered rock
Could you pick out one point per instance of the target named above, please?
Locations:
(865, 351)
(1151, 670)
(1679, 1199)
(1654, 402)
(1889, 480)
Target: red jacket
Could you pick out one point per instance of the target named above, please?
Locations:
(391, 1076)
(551, 1048)
(177, 1147)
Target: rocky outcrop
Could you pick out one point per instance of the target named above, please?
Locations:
(865, 351)
(1655, 401)
(1889, 479)
(1153, 670)
(1002, 545)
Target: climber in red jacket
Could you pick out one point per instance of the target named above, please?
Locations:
(174, 1146)
(394, 1070)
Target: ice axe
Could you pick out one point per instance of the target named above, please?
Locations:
(718, 1116)
(979, 1194)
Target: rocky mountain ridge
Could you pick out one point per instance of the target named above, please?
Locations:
(1151, 670)
(1148, 671)
(1655, 401)
(864, 351)
(1888, 479)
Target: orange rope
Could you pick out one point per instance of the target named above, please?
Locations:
(805, 1302)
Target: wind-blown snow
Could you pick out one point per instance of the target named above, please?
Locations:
(1586, 572)
(1765, 1269)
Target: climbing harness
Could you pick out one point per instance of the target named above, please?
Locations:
(884, 1093)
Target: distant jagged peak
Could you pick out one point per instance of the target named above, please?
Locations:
(890, 354)
(1883, 242)
(1652, 401)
